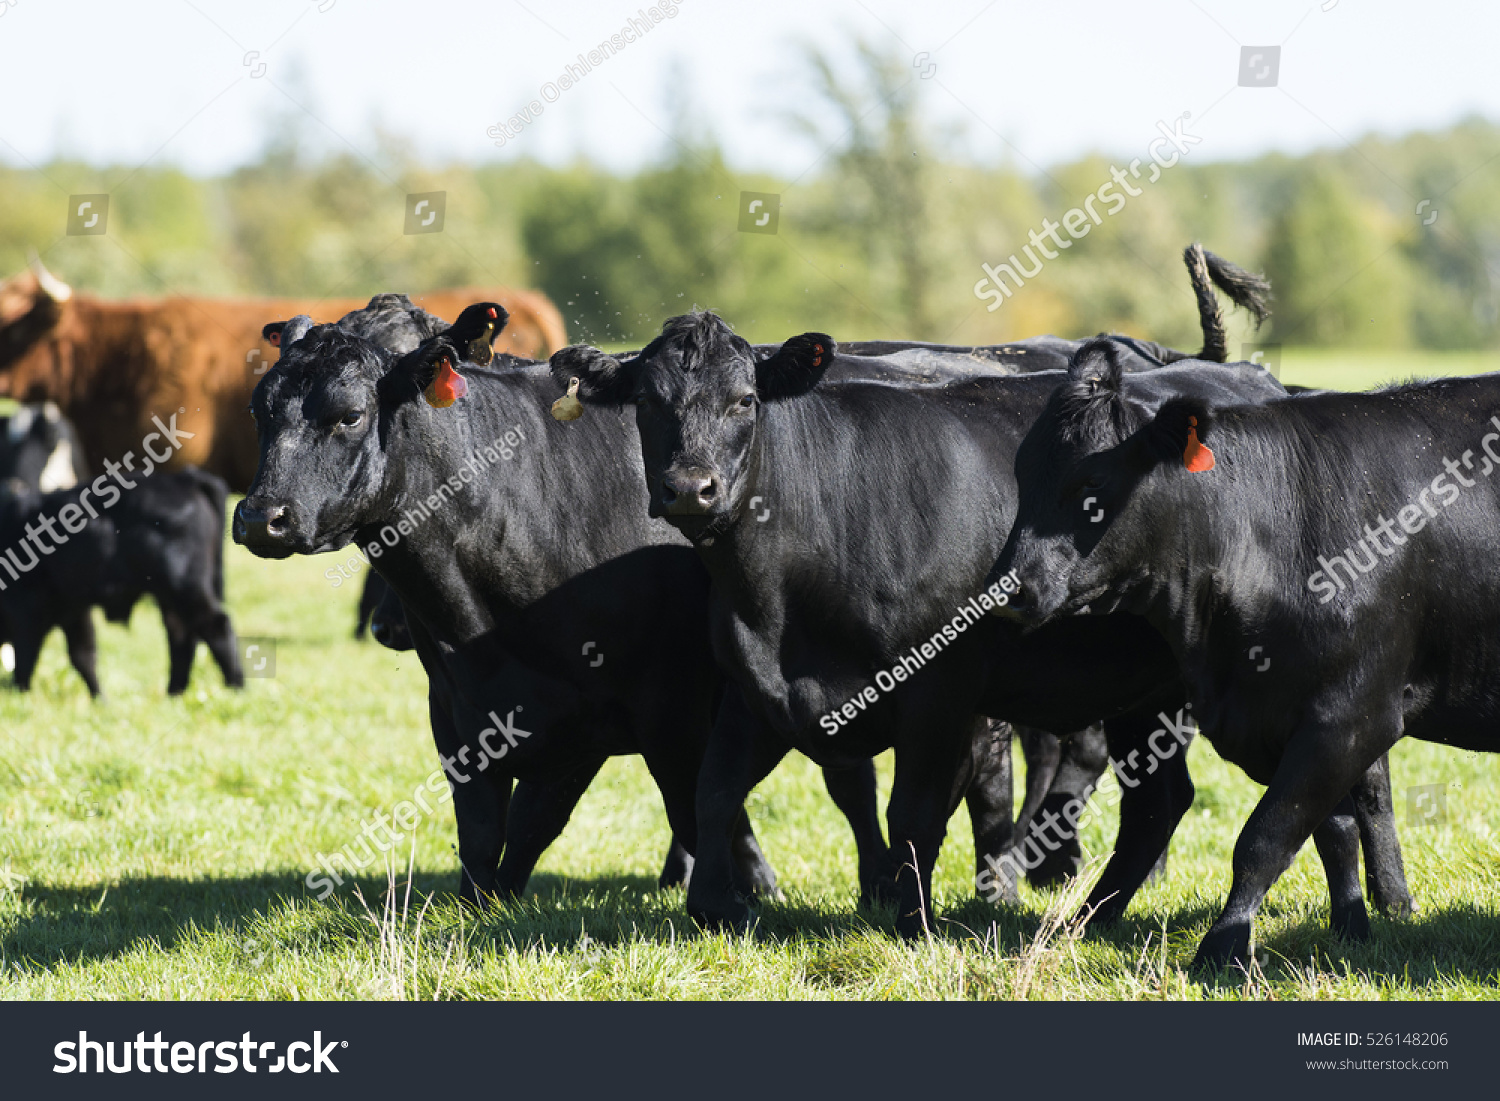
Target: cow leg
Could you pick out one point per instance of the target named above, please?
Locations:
(1084, 757)
(1385, 874)
(932, 775)
(538, 814)
(82, 649)
(1337, 839)
(752, 873)
(853, 792)
(1150, 808)
(217, 632)
(1317, 770)
(678, 869)
(369, 599)
(181, 644)
(480, 803)
(990, 798)
(741, 753)
(1043, 754)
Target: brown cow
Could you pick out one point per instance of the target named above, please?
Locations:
(112, 365)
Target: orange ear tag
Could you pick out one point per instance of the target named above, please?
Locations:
(568, 407)
(1196, 456)
(446, 387)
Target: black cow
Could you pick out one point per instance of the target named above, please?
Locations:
(107, 544)
(849, 528)
(1311, 562)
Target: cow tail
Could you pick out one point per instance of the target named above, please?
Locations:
(1210, 316)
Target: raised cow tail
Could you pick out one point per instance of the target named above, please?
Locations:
(1245, 289)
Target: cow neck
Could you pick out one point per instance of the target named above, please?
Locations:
(814, 536)
(525, 524)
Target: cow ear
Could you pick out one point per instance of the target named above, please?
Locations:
(795, 367)
(476, 329)
(1097, 364)
(602, 379)
(428, 370)
(283, 334)
(1179, 433)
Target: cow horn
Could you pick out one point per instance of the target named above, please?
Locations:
(53, 287)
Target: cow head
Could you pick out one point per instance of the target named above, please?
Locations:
(699, 393)
(33, 307)
(324, 414)
(37, 447)
(1100, 476)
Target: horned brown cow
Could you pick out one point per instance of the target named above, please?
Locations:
(113, 364)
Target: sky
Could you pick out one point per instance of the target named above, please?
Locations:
(201, 83)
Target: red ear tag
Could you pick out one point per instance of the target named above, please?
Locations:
(275, 339)
(491, 312)
(818, 355)
(1196, 456)
(446, 387)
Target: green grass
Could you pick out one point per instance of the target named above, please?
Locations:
(156, 848)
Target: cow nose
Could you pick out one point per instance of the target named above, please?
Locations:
(690, 493)
(380, 630)
(254, 524)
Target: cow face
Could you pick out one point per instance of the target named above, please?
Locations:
(33, 306)
(699, 393)
(1090, 473)
(326, 415)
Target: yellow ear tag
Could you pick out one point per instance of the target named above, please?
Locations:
(480, 352)
(568, 407)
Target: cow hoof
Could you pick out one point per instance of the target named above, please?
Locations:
(913, 926)
(879, 891)
(1225, 945)
(1350, 922)
(1398, 909)
(725, 917)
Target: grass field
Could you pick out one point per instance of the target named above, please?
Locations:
(156, 848)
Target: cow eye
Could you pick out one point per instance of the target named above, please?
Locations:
(351, 420)
(747, 401)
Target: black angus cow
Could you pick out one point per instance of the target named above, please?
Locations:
(849, 528)
(106, 545)
(1312, 564)
(559, 625)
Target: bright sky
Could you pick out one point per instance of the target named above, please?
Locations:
(173, 80)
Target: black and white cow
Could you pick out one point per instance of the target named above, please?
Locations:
(1316, 565)
(849, 528)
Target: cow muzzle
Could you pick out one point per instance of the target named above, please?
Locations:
(691, 493)
(265, 530)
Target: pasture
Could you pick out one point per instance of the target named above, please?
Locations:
(156, 848)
